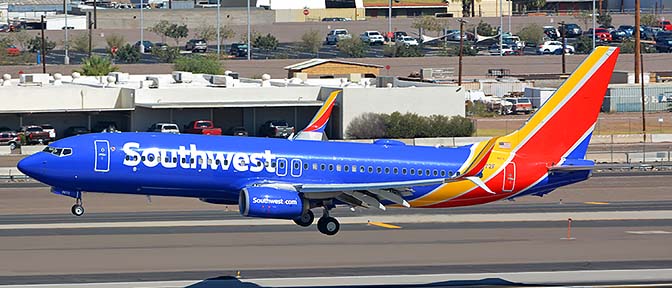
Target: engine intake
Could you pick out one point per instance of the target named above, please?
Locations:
(268, 202)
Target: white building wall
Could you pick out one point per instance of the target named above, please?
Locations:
(299, 4)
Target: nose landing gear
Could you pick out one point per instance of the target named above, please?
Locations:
(77, 209)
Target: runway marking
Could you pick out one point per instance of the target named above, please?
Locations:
(596, 203)
(651, 232)
(384, 225)
(358, 220)
(663, 276)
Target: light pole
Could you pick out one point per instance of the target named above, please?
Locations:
(389, 18)
(501, 29)
(594, 25)
(219, 4)
(459, 71)
(142, 27)
(66, 60)
(510, 12)
(249, 33)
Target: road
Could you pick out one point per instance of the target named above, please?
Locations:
(621, 223)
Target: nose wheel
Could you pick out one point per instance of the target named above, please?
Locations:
(77, 209)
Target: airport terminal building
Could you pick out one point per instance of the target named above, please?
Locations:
(135, 102)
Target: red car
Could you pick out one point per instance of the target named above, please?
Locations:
(665, 24)
(601, 34)
(13, 51)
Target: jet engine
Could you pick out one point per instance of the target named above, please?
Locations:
(269, 202)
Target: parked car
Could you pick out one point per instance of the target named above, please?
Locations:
(396, 36)
(618, 35)
(237, 131)
(520, 105)
(34, 134)
(76, 130)
(514, 42)
(205, 127)
(276, 129)
(407, 41)
(337, 35)
(160, 46)
(372, 37)
(336, 19)
(164, 128)
(50, 129)
(551, 32)
(238, 49)
(12, 51)
(628, 29)
(601, 34)
(106, 127)
(148, 46)
(4, 28)
(506, 49)
(10, 139)
(6, 129)
(664, 45)
(571, 30)
(554, 47)
(197, 45)
(665, 24)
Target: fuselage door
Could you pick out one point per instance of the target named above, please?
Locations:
(296, 168)
(509, 177)
(102, 157)
(281, 167)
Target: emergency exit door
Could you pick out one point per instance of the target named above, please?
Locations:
(509, 177)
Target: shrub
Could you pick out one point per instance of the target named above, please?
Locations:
(97, 66)
(199, 64)
(409, 125)
(604, 19)
(168, 55)
(649, 20)
(177, 32)
(35, 44)
(161, 29)
(311, 41)
(583, 45)
(127, 54)
(366, 126)
(532, 33)
(454, 50)
(266, 42)
(114, 40)
(485, 29)
(80, 43)
(354, 47)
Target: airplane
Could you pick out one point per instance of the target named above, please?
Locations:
(289, 178)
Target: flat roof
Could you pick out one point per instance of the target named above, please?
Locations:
(315, 62)
(66, 110)
(248, 104)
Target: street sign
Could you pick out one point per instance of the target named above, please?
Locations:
(306, 12)
(387, 67)
(113, 50)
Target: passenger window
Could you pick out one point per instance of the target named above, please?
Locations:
(412, 171)
(331, 167)
(323, 167)
(450, 173)
(175, 160)
(217, 162)
(419, 172)
(258, 163)
(296, 165)
(305, 166)
(200, 161)
(314, 166)
(226, 162)
(272, 164)
(379, 170)
(427, 172)
(191, 160)
(436, 172)
(142, 158)
(443, 173)
(396, 170)
(403, 171)
(338, 167)
(354, 168)
(282, 165)
(387, 170)
(361, 169)
(370, 169)
(346, 168)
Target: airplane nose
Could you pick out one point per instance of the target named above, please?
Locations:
(31, 166)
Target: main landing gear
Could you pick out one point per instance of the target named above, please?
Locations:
(326, 225)
(77, 209)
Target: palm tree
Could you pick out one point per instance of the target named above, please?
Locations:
(97, 66)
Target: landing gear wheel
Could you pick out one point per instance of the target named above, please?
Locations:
(306, 219)
(328, 225)
(77, 210)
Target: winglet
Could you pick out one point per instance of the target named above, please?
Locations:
(315, 129)
(476, 166)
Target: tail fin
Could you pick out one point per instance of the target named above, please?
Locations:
(315, 129)
(562, 127)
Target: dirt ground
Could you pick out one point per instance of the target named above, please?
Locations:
(608, 124)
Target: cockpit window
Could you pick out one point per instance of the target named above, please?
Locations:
(60, 152)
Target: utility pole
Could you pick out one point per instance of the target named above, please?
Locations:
(594, 25)
(459, 73)
(219, 25)
(89, 24)
(643, 96)
(142, 26)
(501, 29)
(44, 54)
(389, 19)
(95, 15)
(66, 60)
(638, 44)
(249, 33)
(564, 44)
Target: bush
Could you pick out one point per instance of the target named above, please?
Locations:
(604, 19)
(311, 41)
(114, 40)
(266, 42)
(366, 126)
(583, 45)
(35, 44)
(161, 29)
(168, 55)
(532, 33)
(454, 50)
(628, 47)
(177, 32)
(199, 64)
(409, 125)
(127, 54)
(97, 66)
(354, 47)
(649, 20)
(403, 51)
(485, 29)
(80, 43)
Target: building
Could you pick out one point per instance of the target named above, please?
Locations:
(313, 10)
(135, 102)
(331, 68)
(415, 8)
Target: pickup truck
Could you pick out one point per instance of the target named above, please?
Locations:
(276, 129)
(10, 139)
(337, 35)
(205, 127)
(520, 105)
(34, 135)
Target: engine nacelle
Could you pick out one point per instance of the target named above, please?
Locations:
(268, 202)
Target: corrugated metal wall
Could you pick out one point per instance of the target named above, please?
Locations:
(627, 98)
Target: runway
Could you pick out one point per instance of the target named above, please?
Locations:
(620, 223)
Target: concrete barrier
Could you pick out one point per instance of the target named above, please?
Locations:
(653, 156)
(446, 141)
(30, 150)
(606, 157)
(661, 138)
(4, 150)
(10, 173)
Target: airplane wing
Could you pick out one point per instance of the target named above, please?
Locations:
(570, 165)
(315, 129)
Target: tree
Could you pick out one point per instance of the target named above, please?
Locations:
(203, 64)
(454, 50)
(604, 19)
(583, 45)
(403, 51)
(531, 4)
(168, 55)
(585, 17)
(177, 32)
(22, 38)
(266, 42)
(114, 40)
(353, 47)
(532, 33)
(427, 23)
(80, 43)
(366, 126)
(485, 29)
(161, 29)
(35, 44)
(128, 54)
(311, 41)
(648, 20)
(97, 66)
